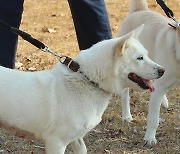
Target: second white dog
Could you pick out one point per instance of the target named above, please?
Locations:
(164, 43)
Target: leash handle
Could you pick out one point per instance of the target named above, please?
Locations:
(166, 9)
(28, 38)
(24, 35)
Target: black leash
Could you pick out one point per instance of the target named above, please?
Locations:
(24, 35)
(166, 9)
(169, 13)
(69, 62)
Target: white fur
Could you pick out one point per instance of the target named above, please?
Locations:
(60, 106)
(164, 43)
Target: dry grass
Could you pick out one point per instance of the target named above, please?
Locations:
(51, 22)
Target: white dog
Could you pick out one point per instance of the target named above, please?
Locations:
(60, 106)
(164, 43)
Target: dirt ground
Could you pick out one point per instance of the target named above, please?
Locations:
(51, 23)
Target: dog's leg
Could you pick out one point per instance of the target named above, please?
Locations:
(154, 107)
(79, 146)
(153, 117)
(54, 146)
(125, 99)
(165, 102)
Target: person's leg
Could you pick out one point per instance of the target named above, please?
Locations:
(91, 21)
(10, 13)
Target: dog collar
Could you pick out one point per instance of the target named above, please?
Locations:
(70, 63)
(75, 67)
(174, 26)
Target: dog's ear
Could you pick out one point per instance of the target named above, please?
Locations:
(137, 31)
(122, 42)
(135, 34)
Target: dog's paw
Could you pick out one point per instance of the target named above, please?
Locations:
(161, 120)
(127, 118)
(149, 141)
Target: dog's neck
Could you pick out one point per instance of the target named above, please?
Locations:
(75, 67)
(99, 71)
(95, 84)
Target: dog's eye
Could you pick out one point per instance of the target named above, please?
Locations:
(140, 58)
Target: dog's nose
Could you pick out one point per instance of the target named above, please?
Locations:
(161, 72)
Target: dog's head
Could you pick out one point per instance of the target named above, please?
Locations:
(118, 63)
(135, 66)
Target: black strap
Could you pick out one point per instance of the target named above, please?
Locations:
(24, 35)
(167, 10)
(69, 62)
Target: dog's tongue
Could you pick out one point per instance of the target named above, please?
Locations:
(149, 84)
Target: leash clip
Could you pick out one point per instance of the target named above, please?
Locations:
(47, 49)
(69, 62)
(175, 20)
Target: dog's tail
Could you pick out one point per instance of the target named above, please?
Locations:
(138, 5)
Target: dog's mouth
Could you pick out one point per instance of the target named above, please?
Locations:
(143, 83)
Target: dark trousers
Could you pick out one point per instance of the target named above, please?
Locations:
(11, 13)
(89, 16)
(91, 21)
